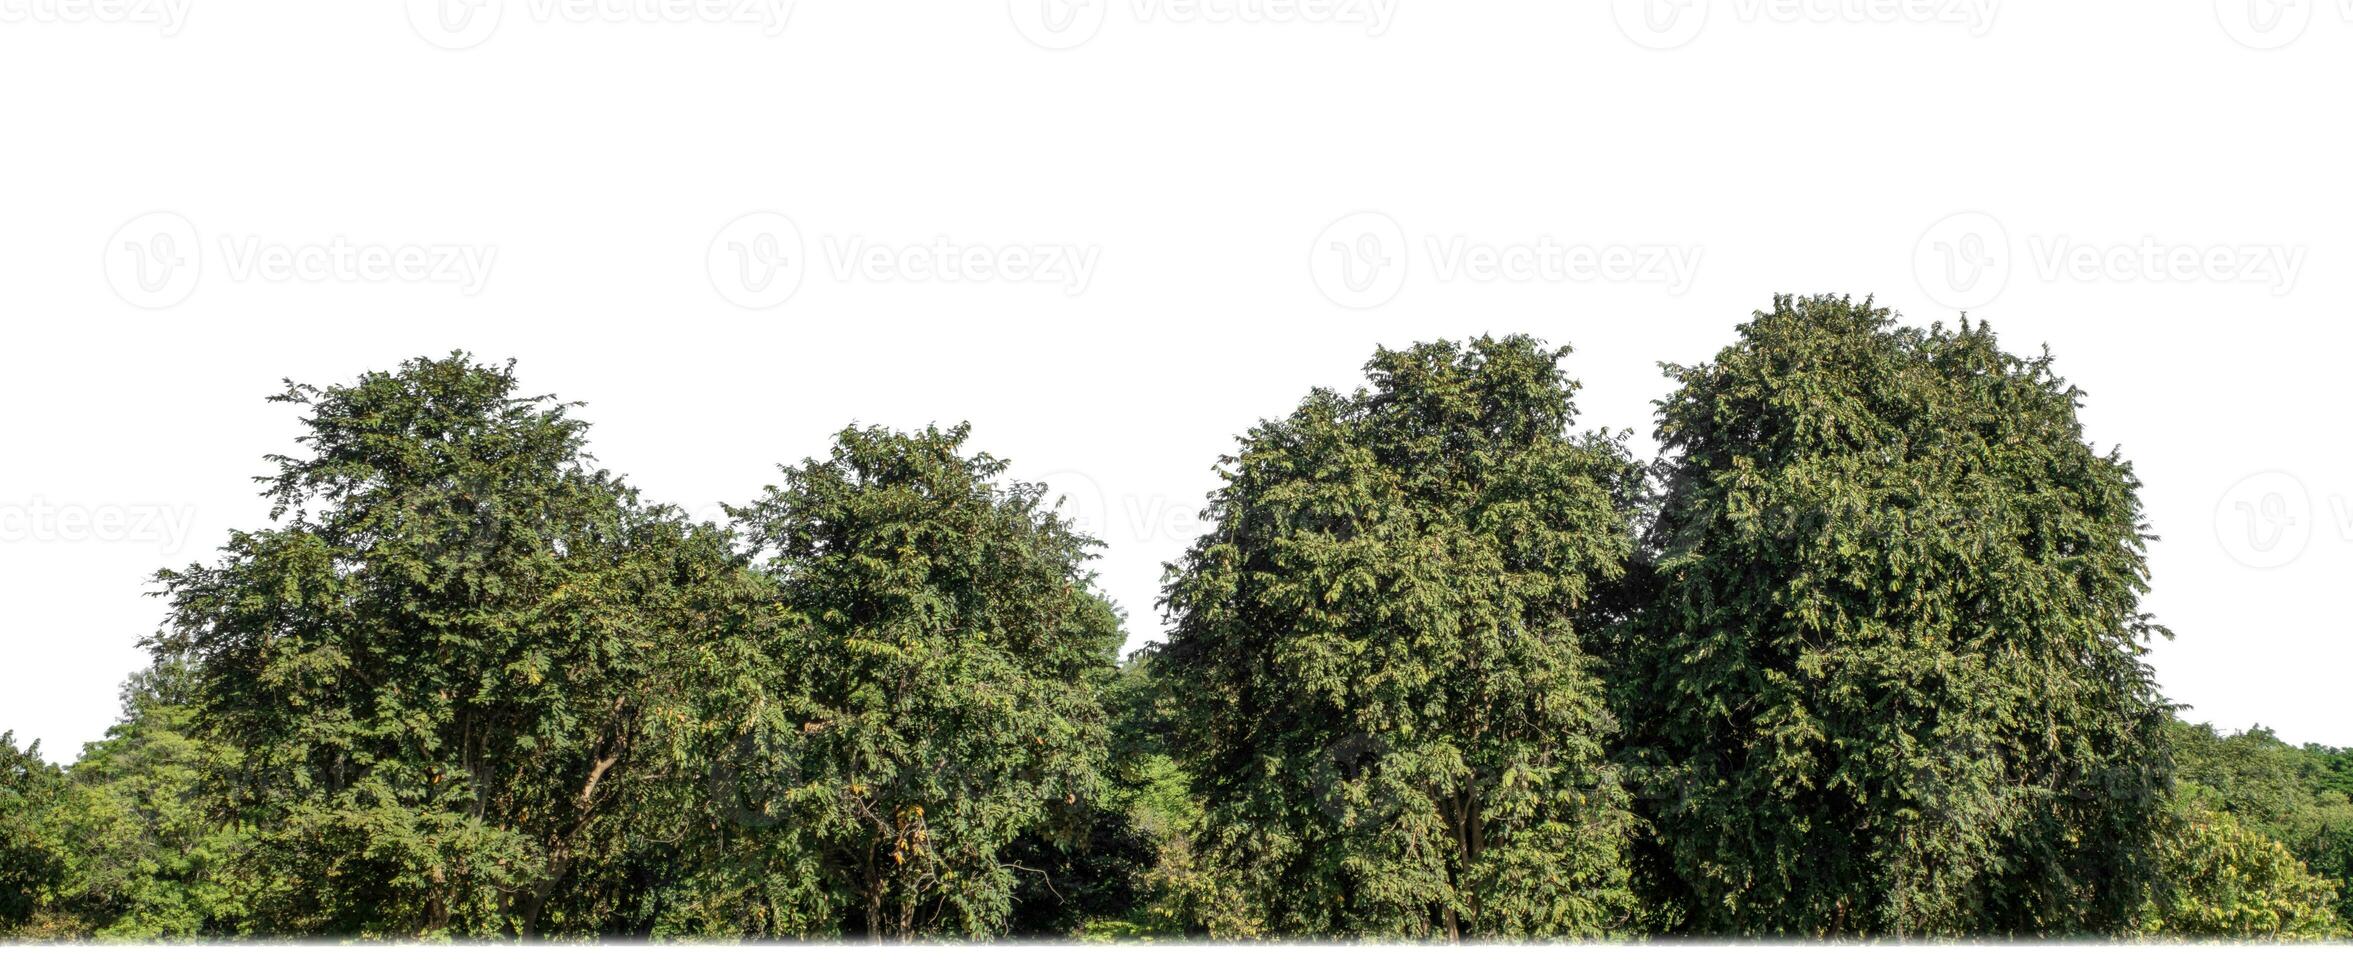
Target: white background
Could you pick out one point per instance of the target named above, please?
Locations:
(599, 162)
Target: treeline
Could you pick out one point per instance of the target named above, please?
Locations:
(1860, 655)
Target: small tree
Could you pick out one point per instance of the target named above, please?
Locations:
(1377, 655)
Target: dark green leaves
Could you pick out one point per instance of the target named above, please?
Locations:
(1866, 659)
(1384, 700)
(1890, 678)
(933, 692)
(462, 674)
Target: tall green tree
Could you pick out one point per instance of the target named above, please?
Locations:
(1890, 674)
(1379, 657)
(462, 671)
(935, 693)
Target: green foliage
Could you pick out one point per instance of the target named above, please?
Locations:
(461, 675)
(935, 690)
(1171, 892)
(2221, 879)
(33, 855)
(1875, 651)
(1376, 656)
(149, 862)
(117, 847)
(2299, 796)
(1889, 676)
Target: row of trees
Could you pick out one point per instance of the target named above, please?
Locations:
(1860, 655)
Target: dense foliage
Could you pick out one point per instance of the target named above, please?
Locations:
(2298, 796)
(1859, 655)
(1388, 712)
(32, 857)
(1889, 678)
(936, 694)
(458, 678)
(2220, 879)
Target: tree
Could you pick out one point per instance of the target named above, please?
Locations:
(1889, 676)
(1377, 652)
(935, 691)
(461, 674)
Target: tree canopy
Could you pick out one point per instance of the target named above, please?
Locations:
(936, 693)
(1388, 710)
(1861, 653)
(1888, 677)
(458, 675)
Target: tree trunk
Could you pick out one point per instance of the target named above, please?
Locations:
(873, 901)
